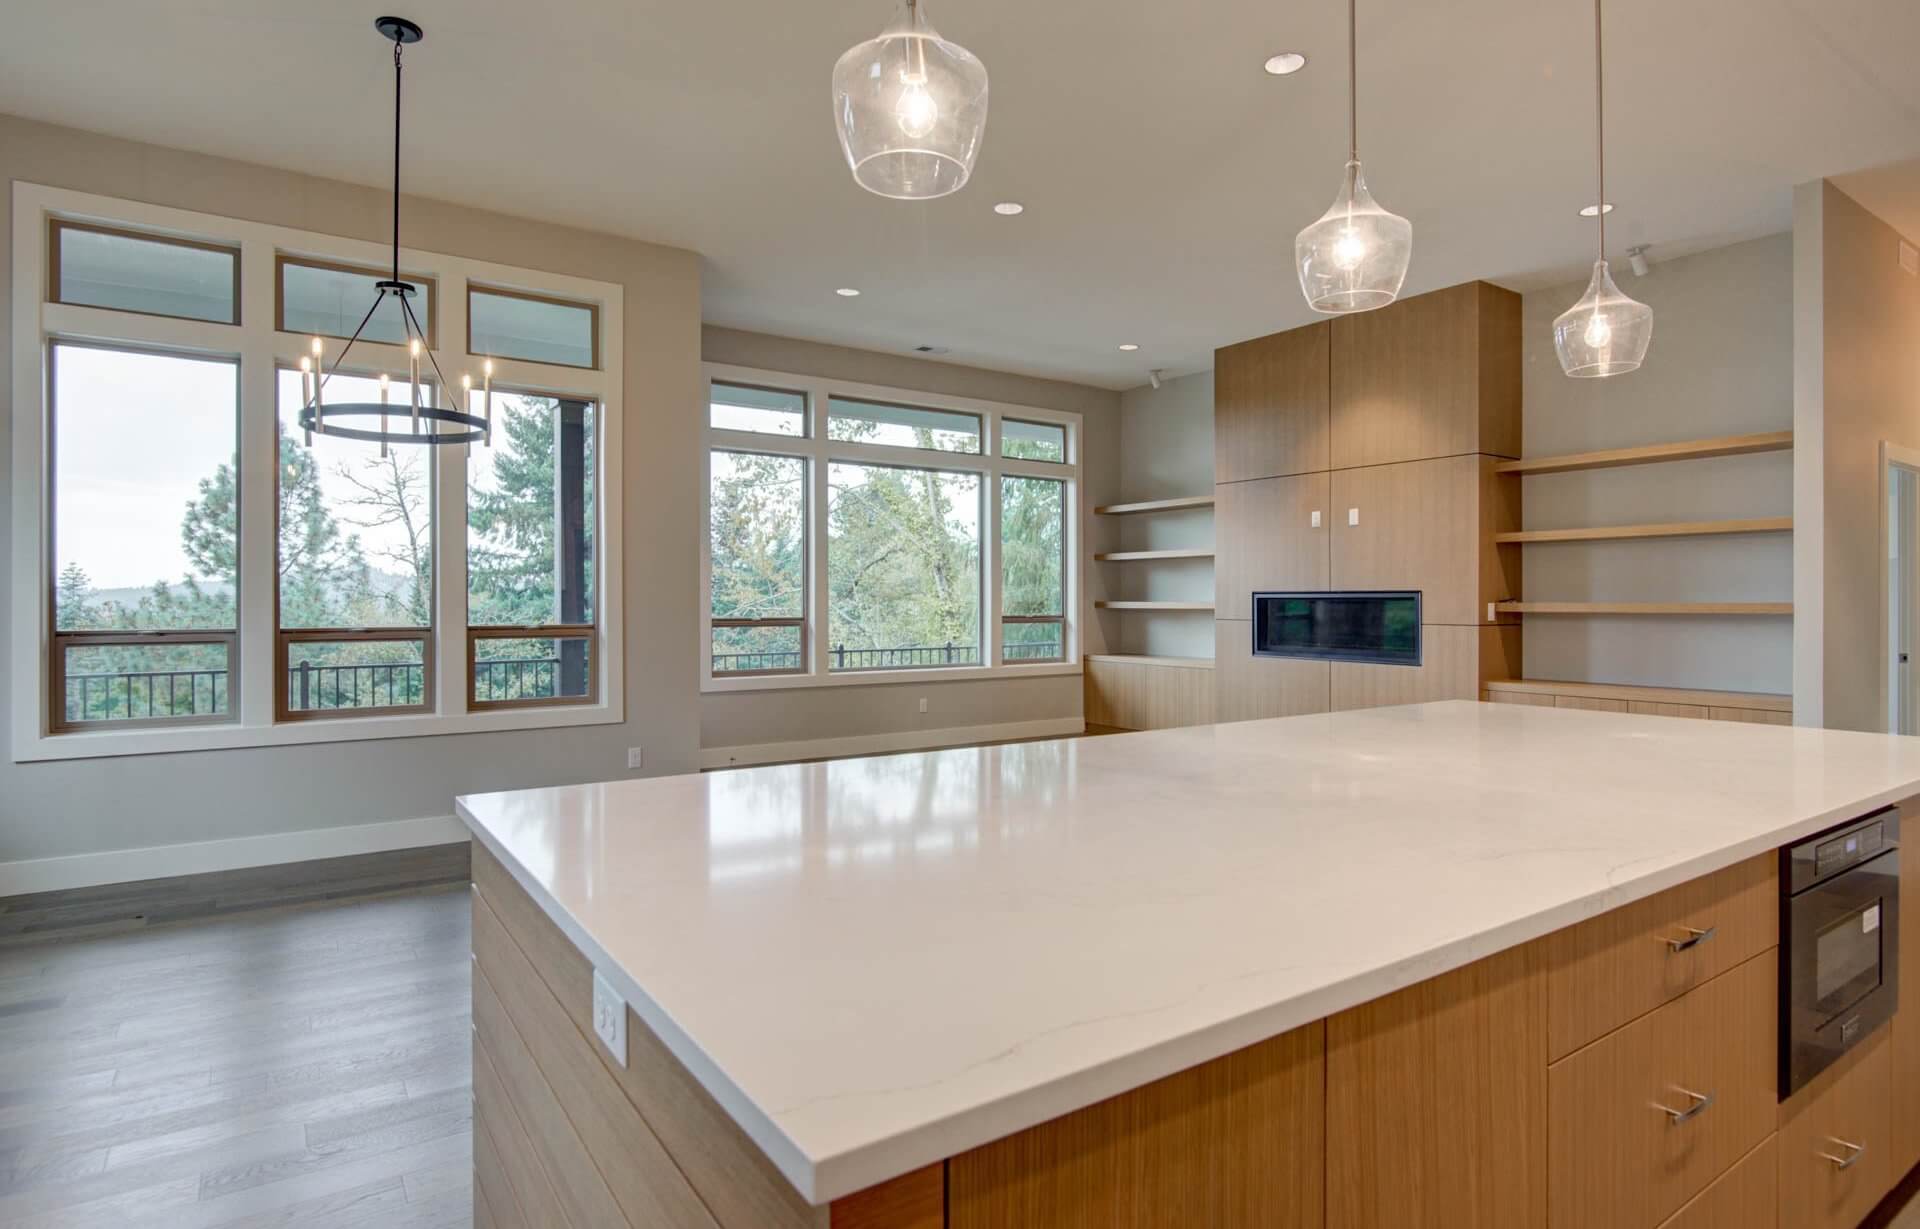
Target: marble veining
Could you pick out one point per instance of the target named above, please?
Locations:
(873, 964)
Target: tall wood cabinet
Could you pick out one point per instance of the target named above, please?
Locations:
(1358, 453)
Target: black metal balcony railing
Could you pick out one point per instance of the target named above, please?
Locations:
(842, 658)
(312, 688)
(516, 678)
(142, 694)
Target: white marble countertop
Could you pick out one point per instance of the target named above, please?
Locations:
(877, 963)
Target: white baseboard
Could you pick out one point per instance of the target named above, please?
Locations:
(883, 744)
(87, 870)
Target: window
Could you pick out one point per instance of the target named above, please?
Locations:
(97, 266)
(902, 426)
(331, 300)
(202, 572)
(1033, 563)
(530, 551)
(757, 556)
(355, 547)
(511, 324)
(881, 538)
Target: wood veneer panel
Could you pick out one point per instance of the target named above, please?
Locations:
(1419, 528)
(1669, 529)
(1610, 969)
(727, 1171)
(1903, 1059)
(1664, 695)
(1614, 1158)
(1271, 405)
(1268, 541)
(1437, 1102)
(1590, 704)
(1453, 660)
(1128, 605)
(1247, 688)
(532, 1191)
(1849, 1101)
(490, 1187)
(1142, 556)
(1654, 708)
(1236, 1143)
(1521, 697)
(1148, 694)
(1646, 454)
(1751, 716)
(916, 1200)
(1175, 504)
(1745, 1197)
(1647, 608)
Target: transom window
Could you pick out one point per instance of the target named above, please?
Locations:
(866, 534)
(212, 574)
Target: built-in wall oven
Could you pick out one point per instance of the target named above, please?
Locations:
(1839, 942)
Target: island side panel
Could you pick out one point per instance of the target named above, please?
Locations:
(1235, 1143)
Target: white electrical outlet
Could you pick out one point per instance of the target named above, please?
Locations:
(1316, 518)
(1353, 516)
(923, 704)
(636, 757)
(610, 1018)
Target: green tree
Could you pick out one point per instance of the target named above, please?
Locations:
(515, 522)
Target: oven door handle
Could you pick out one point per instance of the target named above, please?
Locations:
(1700, 1102)
(1854, 1153)
(1695, 937)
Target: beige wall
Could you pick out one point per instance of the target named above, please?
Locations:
(1166, 450)
(81, 806)
(754, 718)
(1861, 350)
(1721, 364)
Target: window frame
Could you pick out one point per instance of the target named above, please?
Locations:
(261, 348)
(1065, 585)
(57, 223)
(819, 452)
(505, 292)
(282, 259)
(800, 620)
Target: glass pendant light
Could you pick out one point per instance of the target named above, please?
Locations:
(1605, 333)
(910, 108)
(1355, 257)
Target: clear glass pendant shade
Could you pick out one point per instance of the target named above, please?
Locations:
(1355, 257)
(1605, 333)
(910, 108)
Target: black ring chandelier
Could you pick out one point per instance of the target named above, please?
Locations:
(317, 414)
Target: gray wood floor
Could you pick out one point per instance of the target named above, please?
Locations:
(300, 1067)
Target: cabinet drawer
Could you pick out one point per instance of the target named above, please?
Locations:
(1745, 1197)
(1620, 1155)
(1619, 966)
(1835, 1159)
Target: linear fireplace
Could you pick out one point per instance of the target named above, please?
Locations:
(1380, 626)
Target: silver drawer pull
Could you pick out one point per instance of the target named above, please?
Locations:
(1699, 1103)
(1854, 1153)
(1695, 937)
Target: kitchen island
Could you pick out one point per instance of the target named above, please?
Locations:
(1380, 967)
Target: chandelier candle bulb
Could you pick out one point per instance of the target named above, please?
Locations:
(413, 371)
(306, 395)
(386, 389)
(486, 377)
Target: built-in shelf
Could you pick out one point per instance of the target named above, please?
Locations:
(1767, 701)
(1135, 556)
(1645, 608)
(1672, 529)
(1649, 454)
(1103, 605)
(1156, 505)
(1143, 659)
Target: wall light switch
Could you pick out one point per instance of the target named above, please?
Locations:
(636, 757)
(1353, 516)
(610, 1018)
(1316, 518)
(923, 704)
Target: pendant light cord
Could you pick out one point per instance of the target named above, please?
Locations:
(1600, 127)
(1353, 83)
(396, 161)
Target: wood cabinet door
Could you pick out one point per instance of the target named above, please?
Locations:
(1643, 1119)
(1271, 399)
(1412, 526)
(1247, 688)
(1432, 376)
(1834, 1160)
(1904, 1043)
(1265, 538)
(1454, 662)
(1745, 1197)
(1437, 1102)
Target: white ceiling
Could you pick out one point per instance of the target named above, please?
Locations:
(1164, 173)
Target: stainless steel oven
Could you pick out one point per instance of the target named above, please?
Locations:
(1839, 942)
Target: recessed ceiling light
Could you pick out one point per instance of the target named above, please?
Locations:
(1286, 63)
(1129, 346)
(1594, 211)
(1009, 209)
(847, 292)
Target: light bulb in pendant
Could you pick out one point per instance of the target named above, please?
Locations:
(1349, 250)
(915, 111)
(1599, 332)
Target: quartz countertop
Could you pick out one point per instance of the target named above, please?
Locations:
(874, 964)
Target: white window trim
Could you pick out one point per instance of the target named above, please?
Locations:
(818, 451)
(259, 347)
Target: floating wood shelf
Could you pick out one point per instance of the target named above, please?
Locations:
(1673, 529)
(1153, 605)
(1132, 556)
(1645, 608)
(1768, 701)
(1142, 659)
(1649, 454)
(1156, 505)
